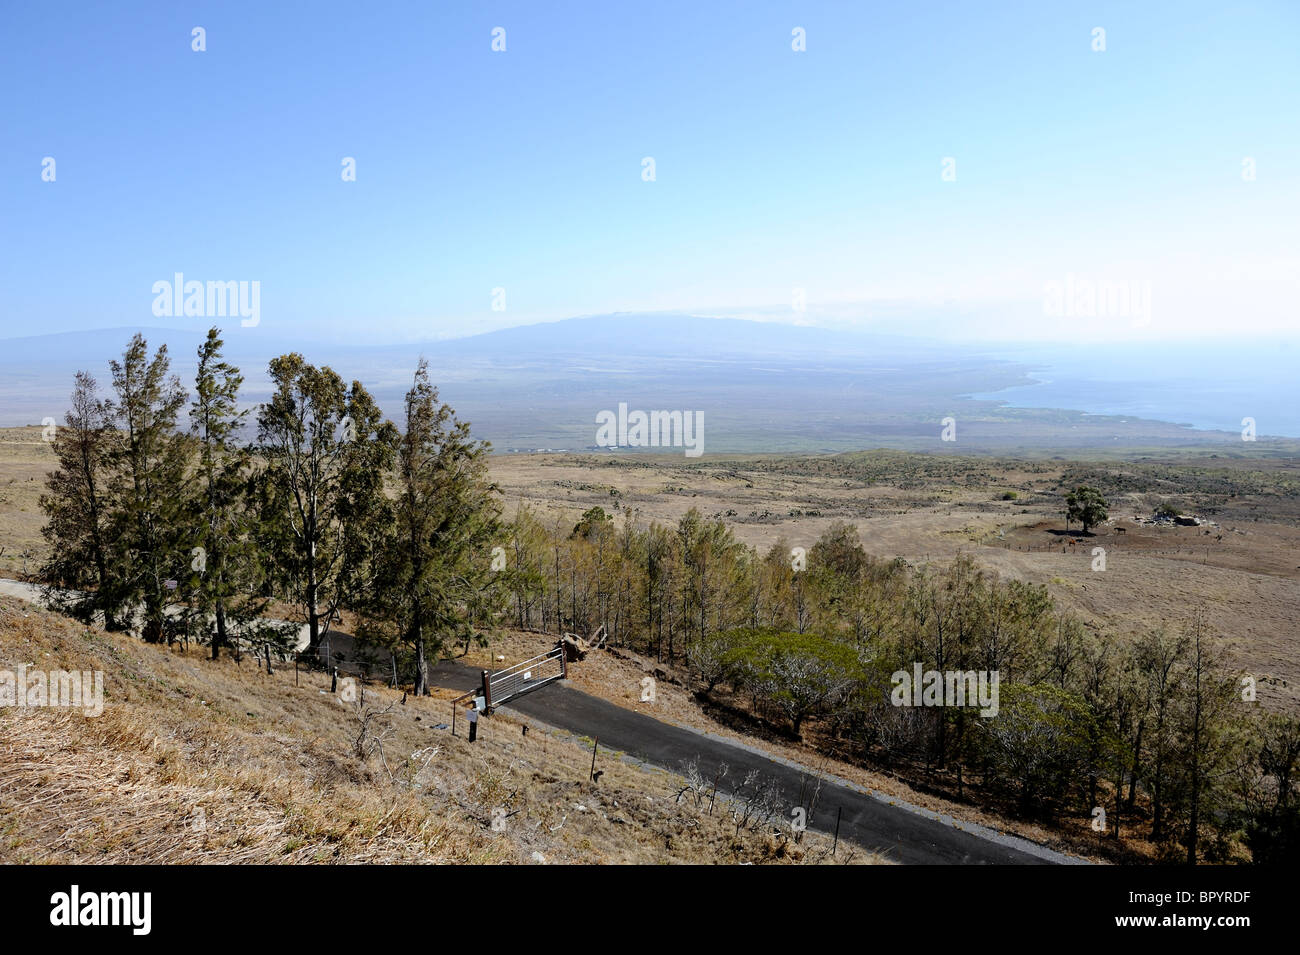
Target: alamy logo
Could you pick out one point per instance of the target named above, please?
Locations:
(655, 429)
(214, 300)
(103, 908)
(76, 689)
(1082, 297)
(953, 688)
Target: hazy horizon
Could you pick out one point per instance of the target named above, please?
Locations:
(805, 388)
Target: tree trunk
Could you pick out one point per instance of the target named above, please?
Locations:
(101, 572)
(1194, 823)
(1133, 770)
(421, 667)
(313, 604)
(313, 626)
(1119, 801)
(219, 640)
(153, 624)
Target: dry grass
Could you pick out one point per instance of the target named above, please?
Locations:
(194, 761)
(25, 459)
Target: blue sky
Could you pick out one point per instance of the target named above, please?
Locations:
(775, 170)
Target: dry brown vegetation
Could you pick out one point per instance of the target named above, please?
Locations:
(1244, 575)
(196, 761)
(24, 461)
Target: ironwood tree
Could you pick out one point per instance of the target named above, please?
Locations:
(326, 449)
(434, 574)
(225, 573)
(149, 466)
(77, 508)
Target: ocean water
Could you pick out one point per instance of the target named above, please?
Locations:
(1210, 388)
(522, 399)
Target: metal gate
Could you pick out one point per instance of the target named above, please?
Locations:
(524, 677)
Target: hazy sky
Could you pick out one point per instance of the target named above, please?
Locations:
(775, 170)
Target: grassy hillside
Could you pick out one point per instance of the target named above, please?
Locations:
(199, 762)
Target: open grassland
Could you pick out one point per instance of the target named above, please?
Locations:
(194, 761)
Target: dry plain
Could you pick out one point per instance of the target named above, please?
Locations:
(1241, 567)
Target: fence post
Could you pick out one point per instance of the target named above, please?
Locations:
(487, 691)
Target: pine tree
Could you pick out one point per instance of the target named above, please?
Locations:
(77, 508)
(1213, 738)
(150, 482)
(435, 574)
(321, 499)
(526, 571)
(224, 570)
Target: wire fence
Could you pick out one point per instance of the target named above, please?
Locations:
(526, 676)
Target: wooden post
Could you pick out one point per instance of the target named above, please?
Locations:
(487, 691)
(594, 746)
(838, 815)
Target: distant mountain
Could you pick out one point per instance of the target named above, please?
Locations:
(669, 336)
(677, 337)
(760, 386)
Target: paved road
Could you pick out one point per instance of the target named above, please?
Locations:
(904, 835)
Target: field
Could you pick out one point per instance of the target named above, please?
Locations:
(1239, 566)
(1243, 571)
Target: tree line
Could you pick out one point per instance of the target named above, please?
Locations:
(1152, 734)
(235, 532)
